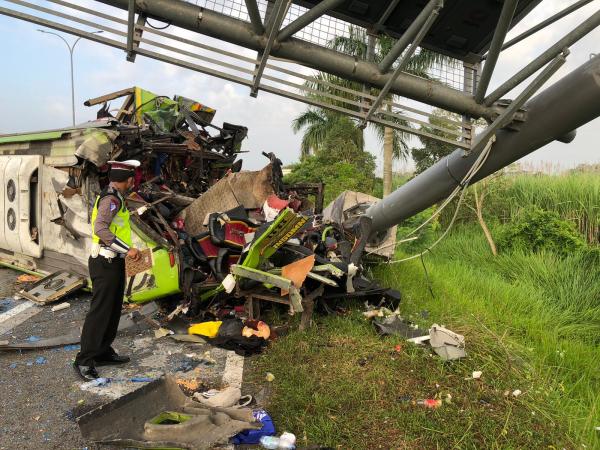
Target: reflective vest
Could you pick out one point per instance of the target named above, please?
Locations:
(120, 225)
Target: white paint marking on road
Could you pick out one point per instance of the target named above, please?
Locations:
(234, 370)
(17, 315)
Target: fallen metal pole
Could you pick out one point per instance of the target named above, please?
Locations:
(549, 21)
(409, 35)
(580, 31)
(220, 26)
(506, 15)
(308, 17)
(553, 114)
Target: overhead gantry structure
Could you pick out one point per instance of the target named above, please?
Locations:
(276, 45)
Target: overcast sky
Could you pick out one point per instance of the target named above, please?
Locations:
(35, 92)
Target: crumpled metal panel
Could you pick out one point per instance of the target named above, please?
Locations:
(345, 210)
(249, 189)
(97, 147)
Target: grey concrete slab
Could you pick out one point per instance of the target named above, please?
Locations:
(38, 400)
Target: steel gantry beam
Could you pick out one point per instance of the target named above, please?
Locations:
(567, 41)
(134, 31)
(254, 15)
(220, 26)
(404, 60)
(308, 17)
(408, 35)
(506, 15)
(543, 24)
(386, 15)
(274, 23)
(563, 107)
(344, 105)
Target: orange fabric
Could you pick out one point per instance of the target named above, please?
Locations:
(297, 271)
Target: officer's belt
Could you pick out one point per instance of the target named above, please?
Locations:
(108, 253)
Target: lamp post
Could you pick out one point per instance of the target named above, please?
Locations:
(71, 48)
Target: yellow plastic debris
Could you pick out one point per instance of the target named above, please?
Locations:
(208, 329)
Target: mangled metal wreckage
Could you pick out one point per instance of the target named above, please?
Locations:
(208, 229)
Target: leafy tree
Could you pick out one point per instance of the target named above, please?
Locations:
(536, 229)
(434, 150)
(393, 140)
(339, 163)
(318, 123)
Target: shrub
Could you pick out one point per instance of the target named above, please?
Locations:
(535, 229)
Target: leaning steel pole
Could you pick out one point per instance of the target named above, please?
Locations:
(552, 115)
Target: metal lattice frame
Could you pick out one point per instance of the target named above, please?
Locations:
(302, 36)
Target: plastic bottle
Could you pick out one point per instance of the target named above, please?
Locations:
(270, 442)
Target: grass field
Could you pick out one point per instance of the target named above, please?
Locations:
(531, 322)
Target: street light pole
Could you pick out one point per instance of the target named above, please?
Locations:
(71, 48)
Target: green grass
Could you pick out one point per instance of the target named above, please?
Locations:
(547, 307)
(531, 322)
(575, 196)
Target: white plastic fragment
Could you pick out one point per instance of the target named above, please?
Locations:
(60, 307)
(352, 271)
(477, 374)
(229, 283)
(446, 343)
(141, 210)
(516, 392)
(287, 440)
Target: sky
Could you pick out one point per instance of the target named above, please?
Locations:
(36, 87)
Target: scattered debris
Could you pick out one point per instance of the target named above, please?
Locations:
(160, 415)
(162, 332)
(430, 403)
(250, 437)
(37, 343)
(60, 307)
(516, 392)
(53, 287)
(269, 377)
(228, 397)
(207, 329)
(393, 324)
(27, 278)
(447, 344)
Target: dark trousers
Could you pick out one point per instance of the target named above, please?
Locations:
(102, 320)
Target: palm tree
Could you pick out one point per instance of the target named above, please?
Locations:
(317, 123)
(393, 140)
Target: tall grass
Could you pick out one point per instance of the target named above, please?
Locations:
(540, 302)
(575, 196)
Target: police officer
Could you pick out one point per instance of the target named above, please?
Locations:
(111, 236)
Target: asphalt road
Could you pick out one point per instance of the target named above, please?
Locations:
(40, 394)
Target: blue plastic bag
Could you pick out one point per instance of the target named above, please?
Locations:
(253, 436)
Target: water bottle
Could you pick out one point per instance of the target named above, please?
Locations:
(270, 442)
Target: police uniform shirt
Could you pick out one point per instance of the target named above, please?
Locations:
(108, 207)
